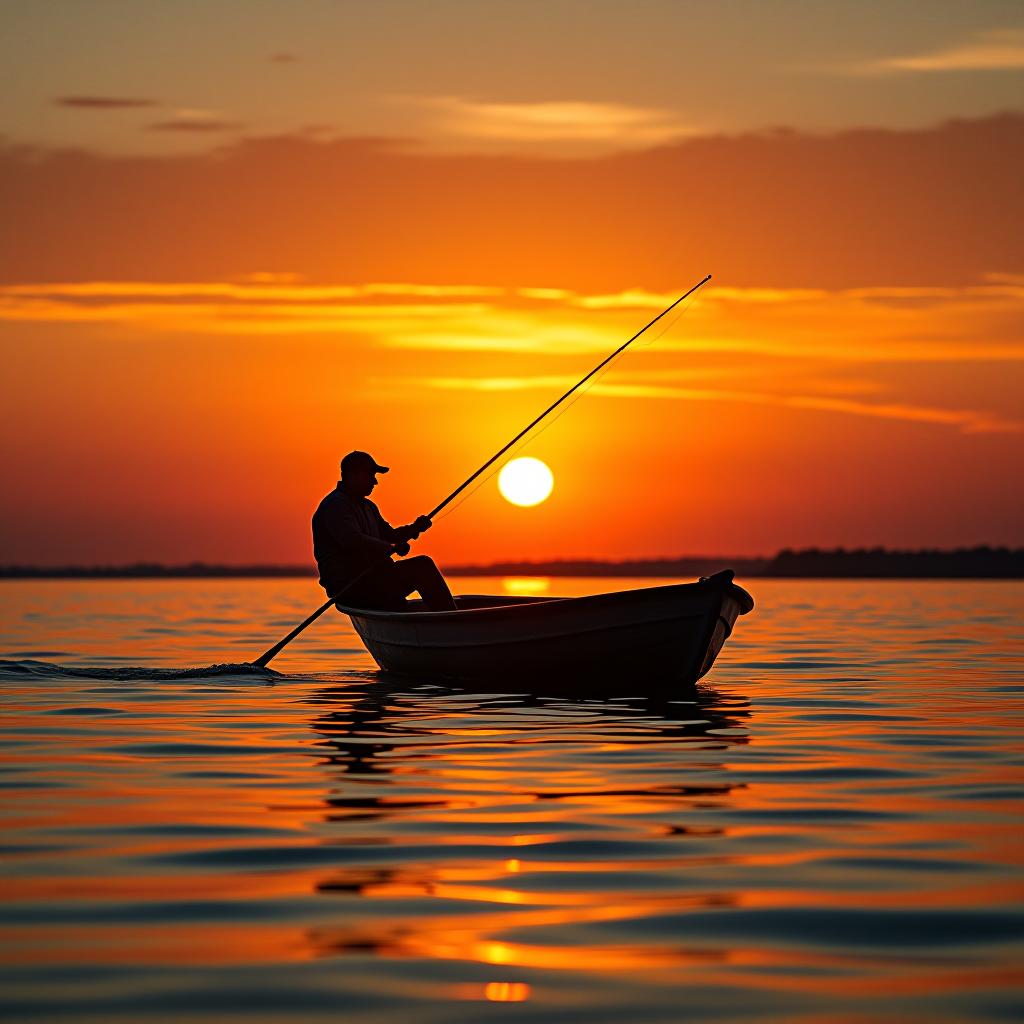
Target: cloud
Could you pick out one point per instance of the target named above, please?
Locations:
(870, 325)
(1001, 286)
(637, 298)
(195, 122)
(256, 287)
(995, 50)
(283, 57)
(267, 304)
(854, 209)
(976, 324)
(967, 421)
(104, 102)
(554, 121)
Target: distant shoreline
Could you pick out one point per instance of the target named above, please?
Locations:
(812, 563)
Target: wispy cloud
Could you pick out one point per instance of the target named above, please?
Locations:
(803, 350)
(994, 50)
(265, 317)
(857, 326)
(259, 306)
(1009, 286)
(976, 323)
(104, 102)
(553, 121)
(195, 124)
(968, 421)
(283, 57)
(637, 298)
(257, 287)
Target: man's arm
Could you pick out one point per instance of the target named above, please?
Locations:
(413, 530)
(401, 535)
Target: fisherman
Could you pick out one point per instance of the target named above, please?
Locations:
(353, 544)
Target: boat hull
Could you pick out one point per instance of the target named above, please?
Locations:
(665, 636)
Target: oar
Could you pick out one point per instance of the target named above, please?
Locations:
(265, 658)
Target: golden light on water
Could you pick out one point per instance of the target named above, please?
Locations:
(525, 482)
(507, 992)
(526, 586)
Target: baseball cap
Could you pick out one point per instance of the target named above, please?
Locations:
(355, 460)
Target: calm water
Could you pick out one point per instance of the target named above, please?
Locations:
(829, 831)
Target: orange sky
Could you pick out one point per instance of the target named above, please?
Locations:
(191, 338)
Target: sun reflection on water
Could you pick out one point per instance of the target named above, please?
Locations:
(506, 992)
(526, 586)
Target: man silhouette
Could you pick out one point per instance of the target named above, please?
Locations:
(353, 544)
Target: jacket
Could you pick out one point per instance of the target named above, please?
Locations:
(349, 535)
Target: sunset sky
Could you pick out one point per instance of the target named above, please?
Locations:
(239, 239)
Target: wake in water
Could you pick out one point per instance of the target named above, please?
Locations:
(126, 674)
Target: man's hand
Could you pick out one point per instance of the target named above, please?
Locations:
(413, 530)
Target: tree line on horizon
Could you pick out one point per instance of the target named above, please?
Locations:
(982, 562)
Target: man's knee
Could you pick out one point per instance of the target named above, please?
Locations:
(422, 562)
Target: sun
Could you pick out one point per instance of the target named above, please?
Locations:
(525, 482)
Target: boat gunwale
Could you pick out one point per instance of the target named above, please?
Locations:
(745, 601)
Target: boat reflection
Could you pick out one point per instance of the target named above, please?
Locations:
(490, 845)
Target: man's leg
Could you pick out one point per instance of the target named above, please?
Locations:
(383, 588)
(422, 575)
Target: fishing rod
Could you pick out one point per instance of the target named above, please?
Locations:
(264, 659)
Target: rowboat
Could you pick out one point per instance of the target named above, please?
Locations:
(665, 636)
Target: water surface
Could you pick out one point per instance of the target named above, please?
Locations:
(828, 829)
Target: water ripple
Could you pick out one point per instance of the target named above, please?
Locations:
(827, 830)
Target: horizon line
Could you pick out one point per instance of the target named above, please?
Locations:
(983, 559)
